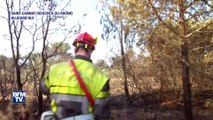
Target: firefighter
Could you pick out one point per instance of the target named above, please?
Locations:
(68, 99)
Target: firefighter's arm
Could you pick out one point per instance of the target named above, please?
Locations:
(44, 85)
(102, 104)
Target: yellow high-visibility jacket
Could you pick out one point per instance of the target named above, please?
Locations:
(68, 98)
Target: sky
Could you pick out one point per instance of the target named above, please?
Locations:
(79, 7)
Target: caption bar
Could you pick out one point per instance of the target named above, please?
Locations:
(30, 15)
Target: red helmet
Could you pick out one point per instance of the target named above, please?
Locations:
(85, 38)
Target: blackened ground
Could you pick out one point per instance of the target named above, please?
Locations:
(160, 106)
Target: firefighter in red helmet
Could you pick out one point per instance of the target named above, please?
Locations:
(78, 89)
(85, 38)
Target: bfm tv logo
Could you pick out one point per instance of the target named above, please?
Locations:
(19, 97)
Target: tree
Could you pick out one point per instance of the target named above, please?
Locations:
(15, 35)
(166, 32)
(184, 7)
(120, 26)
(40, 30)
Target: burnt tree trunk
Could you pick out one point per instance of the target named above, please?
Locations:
(18, 77)
(123, 64)
(185, 65)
